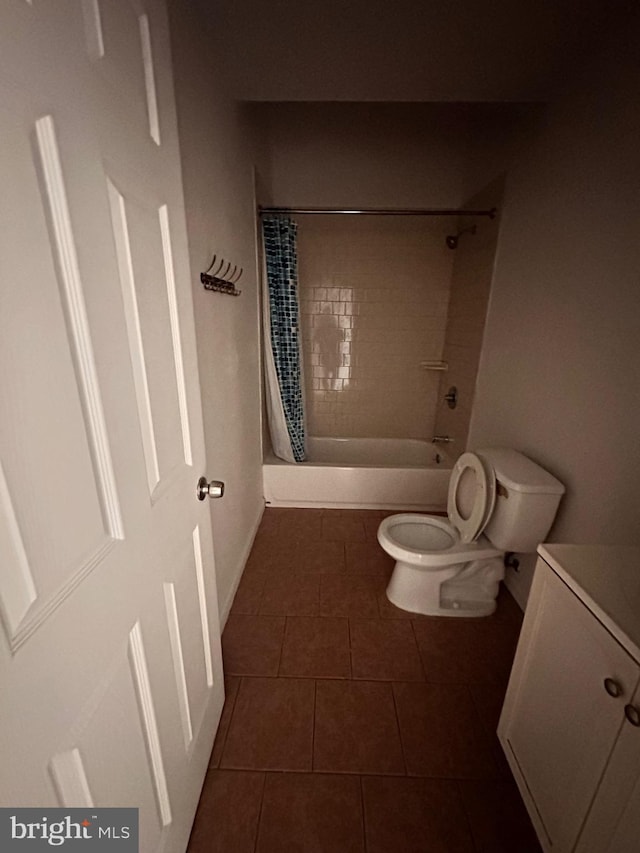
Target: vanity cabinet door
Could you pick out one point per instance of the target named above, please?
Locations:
(559, 723)
(613, 824)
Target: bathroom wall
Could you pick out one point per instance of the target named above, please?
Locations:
(217, 167)
(473, 263)
(402, 51)
(374, 293)
(497, 141)
(388, 155)
(559, 375)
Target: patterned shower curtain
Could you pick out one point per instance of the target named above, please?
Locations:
(282, 339)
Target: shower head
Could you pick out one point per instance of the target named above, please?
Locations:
(452, 239)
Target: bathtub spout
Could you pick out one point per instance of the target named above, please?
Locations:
(443, 439)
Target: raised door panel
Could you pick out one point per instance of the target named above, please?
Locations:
(119, 40)
(559, 723)
(56, 440)
(121, 61)
(112, 751)
(187, 623)
(143, 246)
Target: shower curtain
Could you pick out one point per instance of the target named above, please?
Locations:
(282, 350)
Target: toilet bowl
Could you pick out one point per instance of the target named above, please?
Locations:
(447, 567)
(429, 553)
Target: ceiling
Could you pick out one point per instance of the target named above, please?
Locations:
(402, 50)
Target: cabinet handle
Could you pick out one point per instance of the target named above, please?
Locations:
(612, 687)
(632, 714)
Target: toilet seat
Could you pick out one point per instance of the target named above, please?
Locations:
(478, 492)
(431, 541)
(402, 535)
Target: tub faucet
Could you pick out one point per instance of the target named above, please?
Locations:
(443, 439)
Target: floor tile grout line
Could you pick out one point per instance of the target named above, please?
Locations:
(372, 678)
(383, 774)
(313, 733)
(412, 622)
(226, 734)
(319, 596)
(395, 708)
(284, 634)
(264, 785)
(492, 736)
(261, 596)
(364, 821)
(467, 817)
(476, 708)
(380, 615)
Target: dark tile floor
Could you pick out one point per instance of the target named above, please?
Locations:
(350, 725)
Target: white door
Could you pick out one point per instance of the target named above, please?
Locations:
(110, 666)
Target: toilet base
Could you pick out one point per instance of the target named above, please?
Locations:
(463, 590)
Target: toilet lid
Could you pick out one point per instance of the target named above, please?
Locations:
(472, 496)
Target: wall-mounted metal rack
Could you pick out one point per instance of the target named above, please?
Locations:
(223, 279)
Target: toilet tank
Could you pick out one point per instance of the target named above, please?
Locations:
(527, 500)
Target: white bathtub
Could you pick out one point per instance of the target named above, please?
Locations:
(361, 473)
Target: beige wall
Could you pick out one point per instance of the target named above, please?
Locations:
(374, 292)
(470, 288)
(403, 50)
(219, 197)
(560, 370)
(387, 155)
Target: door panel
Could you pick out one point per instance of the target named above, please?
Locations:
(122, 64)
(53, 543)
(110, 656)
(93, 28)
(186, 618)
(149, 78)
(141, 249)
(115, 719)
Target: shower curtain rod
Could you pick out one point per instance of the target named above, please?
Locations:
(276, 211)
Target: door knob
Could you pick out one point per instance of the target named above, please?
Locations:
(632, 714)
(214, 489)
(612, 687)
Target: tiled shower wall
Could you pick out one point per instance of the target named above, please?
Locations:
(374, 294)
(470, 288)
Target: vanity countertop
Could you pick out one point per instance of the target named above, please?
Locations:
(607, 579)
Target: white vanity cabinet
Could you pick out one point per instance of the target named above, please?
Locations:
(570, 725)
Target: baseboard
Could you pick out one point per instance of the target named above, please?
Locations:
(226, 608)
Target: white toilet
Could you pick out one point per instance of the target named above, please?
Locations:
(449, 568)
